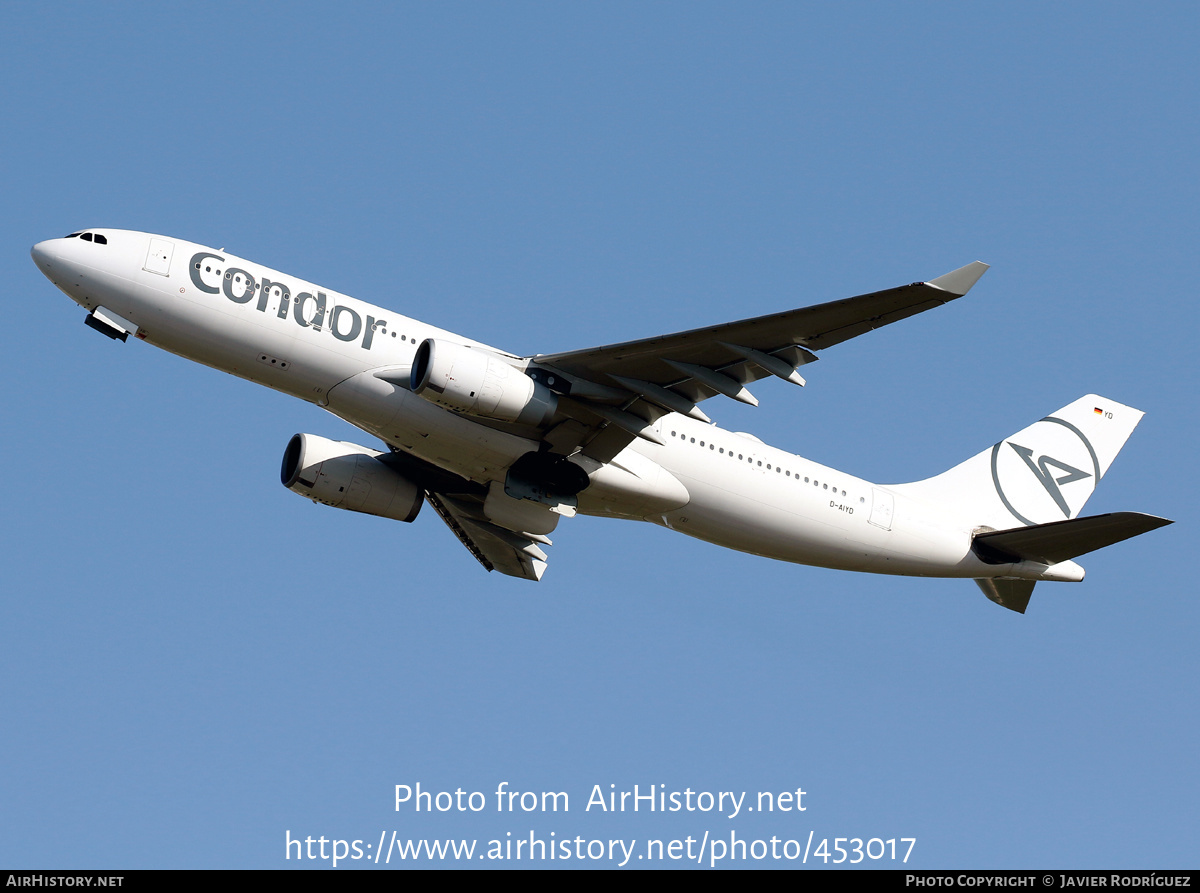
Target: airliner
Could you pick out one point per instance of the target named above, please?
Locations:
(502, 446)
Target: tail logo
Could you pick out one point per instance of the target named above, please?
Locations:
(1047, 478)
(1046, 481)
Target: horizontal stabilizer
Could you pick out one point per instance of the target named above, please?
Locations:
(1062, 540)
(1011, 594)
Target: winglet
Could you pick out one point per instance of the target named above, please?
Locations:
(959, 282)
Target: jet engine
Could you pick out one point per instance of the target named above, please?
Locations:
(475, 382)
(348, 476)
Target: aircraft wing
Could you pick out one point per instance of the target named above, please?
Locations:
(628, 386)
(496, 548)
(459, 503)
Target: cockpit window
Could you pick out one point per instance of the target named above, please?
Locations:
(87, 237)
(101, 240)
(73, 236)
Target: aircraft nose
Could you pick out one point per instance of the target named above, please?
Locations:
(43, 255)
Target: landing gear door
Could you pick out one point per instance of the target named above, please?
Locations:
(158, 258)
(882, 505)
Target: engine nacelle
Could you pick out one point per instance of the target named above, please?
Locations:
(348, 476)
(473, 381)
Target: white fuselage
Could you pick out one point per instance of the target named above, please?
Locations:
(328, 348)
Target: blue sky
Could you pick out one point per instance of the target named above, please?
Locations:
(197, 661)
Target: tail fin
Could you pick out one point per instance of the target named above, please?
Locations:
(1024, 494)
(1041, 474)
